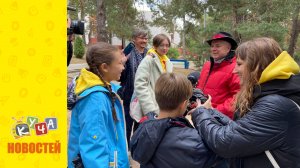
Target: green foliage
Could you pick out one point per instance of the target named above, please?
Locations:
(244, 19)
(297, 56)
(199, 53)
(173, 53)
(250, 30)
(166, 14)
(121, 16)
(79, 48)
(250, 19)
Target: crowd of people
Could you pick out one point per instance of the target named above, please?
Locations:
(250, 119)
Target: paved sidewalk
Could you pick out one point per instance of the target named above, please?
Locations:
(73, 69)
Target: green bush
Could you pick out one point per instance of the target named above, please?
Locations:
(79, 48)
(173, 53)
(201, 54)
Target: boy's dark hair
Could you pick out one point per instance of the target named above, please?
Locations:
(158, 39)
(172, 89)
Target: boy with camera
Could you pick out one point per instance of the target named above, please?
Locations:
(170, 140)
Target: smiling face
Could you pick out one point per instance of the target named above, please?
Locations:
(112, 72)
(140, 42)
(163, 47)
(240, 69)
(117, 66)
(219, 49)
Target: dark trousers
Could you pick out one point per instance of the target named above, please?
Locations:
(129, 122)
(69, 52)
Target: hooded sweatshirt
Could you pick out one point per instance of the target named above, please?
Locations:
(93, 132)
(280, 77)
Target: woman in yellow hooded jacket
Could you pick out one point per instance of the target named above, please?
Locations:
(266, 130)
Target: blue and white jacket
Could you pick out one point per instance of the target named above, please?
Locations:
(93, 133)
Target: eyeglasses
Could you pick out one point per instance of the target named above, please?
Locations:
(164, 46)
(143, 38)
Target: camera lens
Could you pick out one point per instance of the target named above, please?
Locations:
(77, 26)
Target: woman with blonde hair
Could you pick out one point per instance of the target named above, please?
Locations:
(266, 130)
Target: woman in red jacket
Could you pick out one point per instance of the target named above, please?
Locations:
(217, 78)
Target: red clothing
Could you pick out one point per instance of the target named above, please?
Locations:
(221, 83)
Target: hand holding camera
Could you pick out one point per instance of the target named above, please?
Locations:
(201, 101)
(197, 95)
(206, 104)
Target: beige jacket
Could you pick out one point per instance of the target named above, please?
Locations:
(147, 74)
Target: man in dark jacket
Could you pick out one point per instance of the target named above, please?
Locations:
(268, 116)
(134, 58)
(170, 141)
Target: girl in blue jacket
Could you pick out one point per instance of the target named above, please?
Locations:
(97, 129)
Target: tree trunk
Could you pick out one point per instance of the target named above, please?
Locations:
(82, 13)
(183, 38)
(236, 22)
(101, 22)
(294, 32)
(110, 36)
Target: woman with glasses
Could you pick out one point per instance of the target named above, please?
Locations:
(137, 51)
(152, 66)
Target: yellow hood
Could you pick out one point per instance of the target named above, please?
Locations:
(281, 68)
(86, 80)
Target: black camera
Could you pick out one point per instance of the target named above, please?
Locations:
(193, 78)
(77, 26)
(197, 93)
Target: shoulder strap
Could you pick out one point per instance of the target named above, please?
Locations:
(295, 104)
(268, 153)
(272, 159)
